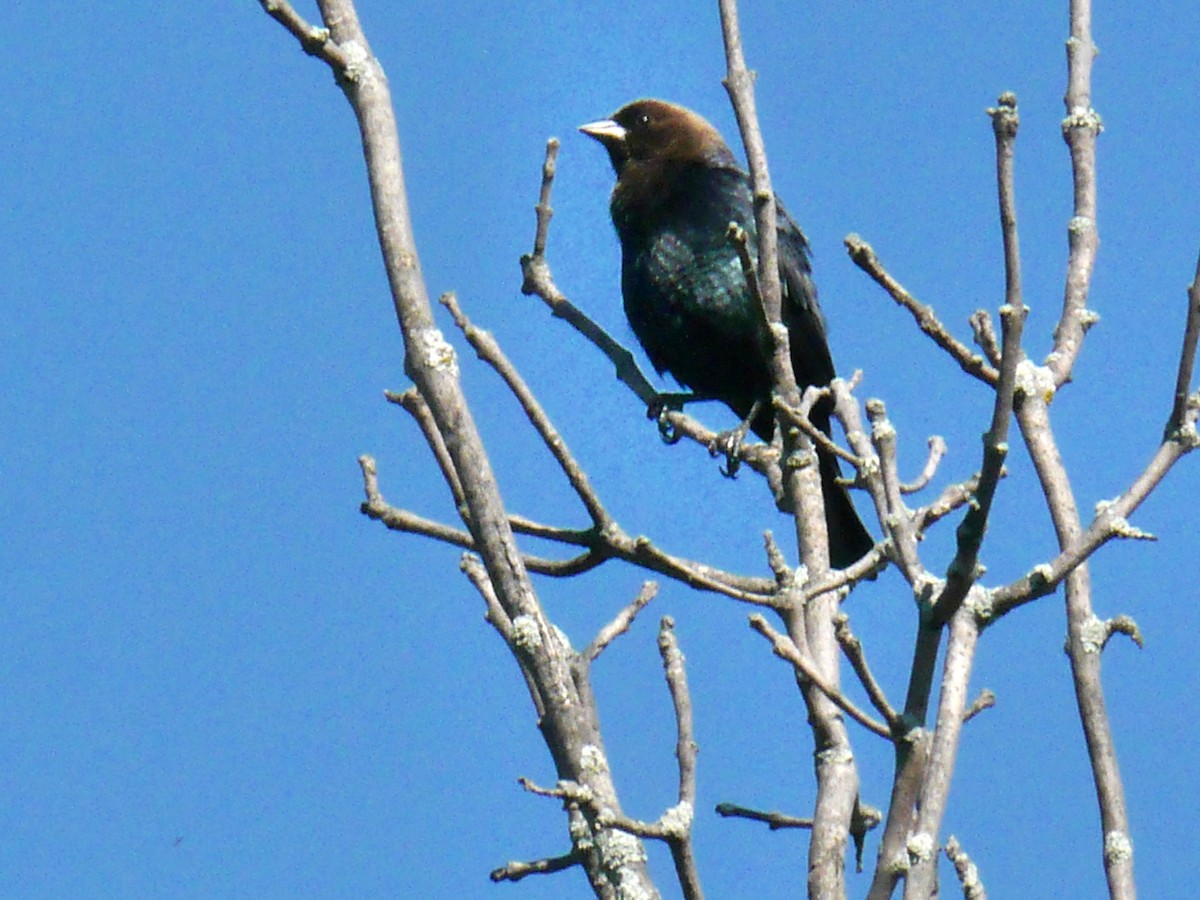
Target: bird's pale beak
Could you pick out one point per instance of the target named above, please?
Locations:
(606, 131)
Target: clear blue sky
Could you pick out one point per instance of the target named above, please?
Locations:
(220, 680)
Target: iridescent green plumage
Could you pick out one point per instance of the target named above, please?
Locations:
(678, 189)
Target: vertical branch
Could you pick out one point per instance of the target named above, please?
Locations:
(809, 625)
(739, 83)
(685, 754)
(1187, 358)
(913, 780)
(1080, 128)
(921, 881)
(1083, 651)
(801, 483)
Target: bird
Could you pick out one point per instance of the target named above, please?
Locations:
(678, 189)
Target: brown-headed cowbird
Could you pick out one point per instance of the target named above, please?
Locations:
(678, 189)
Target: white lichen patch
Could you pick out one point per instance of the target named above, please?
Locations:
(357, 61)
(1093, 634)
(1034, 381)
(921, 847)
(591, 759)
(620, 848)
(678, 819)
(1117, 847)
(525, 634)
(433, 351)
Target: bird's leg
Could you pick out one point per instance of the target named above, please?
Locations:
(728, 443)
(664, 403)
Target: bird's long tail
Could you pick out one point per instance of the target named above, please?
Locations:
(849, 539)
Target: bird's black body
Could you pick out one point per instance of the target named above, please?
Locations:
(678, 189)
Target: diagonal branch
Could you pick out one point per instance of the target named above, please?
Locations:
(489, 351)
(863, 256)
(785, 648)
(1187, 360)
(601, 546)
(568, 719)
(964, 568)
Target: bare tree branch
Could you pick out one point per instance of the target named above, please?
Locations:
(944, 598)
(1187, 360)
(985, 335)
(1111, 521)
(1080, 128)
(864, 257)
(937, 450)
(985, 701)
(853, 649)
(314, 41)
(414, 404)
(569, 721)
(785, 648)
(621, 623)
(774, 820)
(811, 625)
(679, 832)
(968, 874)
(515, 871)
(964, 568)
(489, 351)
(1034, 420)
(921, 880)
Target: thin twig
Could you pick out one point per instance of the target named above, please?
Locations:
(539, 281)
(821, 439)
(621, 622)
(952, 497)
(543, 209)
(964, 868)
(889, 502)
(315, 41)
(785, 648)
(1080, 128)
(964, 568)
(1111, 521)
(869, 565)
(1187, 359)
(601, 546)
(972, 363)
(414, 404)
(516, 870)
(472, 567)
(986, 700)
(774, 820)
(569, 791)
(937, 450)
(853, 649)
(486, 346)
(985, 335)
(679, 819)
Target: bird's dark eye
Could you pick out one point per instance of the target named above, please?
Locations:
(644, 119)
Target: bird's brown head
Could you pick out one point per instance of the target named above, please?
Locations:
(657, 131)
